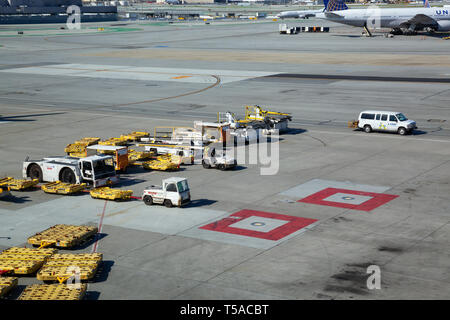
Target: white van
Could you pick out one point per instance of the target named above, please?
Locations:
(385, 121)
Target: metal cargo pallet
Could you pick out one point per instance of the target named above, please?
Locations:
(79, 146)
(53, 292)
(63, 236)
(23, 260)
(108, 193)
(61, 267)
(135, 135)
(139, 155)
(18, 184)
(59, 187)
(113, 142)
(6, 284)
(163, 163)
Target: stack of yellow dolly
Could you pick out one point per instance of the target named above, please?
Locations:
(114, 142)
(24, 260)
(63, 236)
(18, 184)
(53, 292)
(60, 267)
(135, 136)
(108, 193)
(163, 163)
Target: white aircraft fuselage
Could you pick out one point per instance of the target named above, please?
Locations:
(391, 17)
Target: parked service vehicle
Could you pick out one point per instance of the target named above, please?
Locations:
(119, 153)
(173, 192)
(217, 158)
(93, 170)
(389, 121)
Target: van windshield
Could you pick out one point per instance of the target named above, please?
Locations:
(401, 117)
(182, 186)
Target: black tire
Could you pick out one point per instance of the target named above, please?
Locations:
(367, 129)
(35, 172)
(205, 165)
(168, 203)
(148, 200)
(221, 167)
(402, 131)
(67, 176)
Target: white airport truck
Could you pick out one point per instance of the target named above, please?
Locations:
(388, 121)
(216, 157)
(173, 192)
(92, 170)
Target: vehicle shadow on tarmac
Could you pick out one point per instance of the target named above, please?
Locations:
(15, 199)
(200, 203)
(294, 131)
(15, 118)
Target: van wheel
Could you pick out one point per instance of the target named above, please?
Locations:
(367, 129)
(205, 165)
(168, 203)
(35, 172)
(401, 131)
(68, 176)
(221, 167)
(148, 200)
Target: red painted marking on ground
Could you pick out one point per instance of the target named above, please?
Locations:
(100, 224)
(378, 199)
(294, 224)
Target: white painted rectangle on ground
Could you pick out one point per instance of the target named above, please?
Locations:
(313, 186)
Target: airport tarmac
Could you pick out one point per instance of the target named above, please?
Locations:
(342, 200)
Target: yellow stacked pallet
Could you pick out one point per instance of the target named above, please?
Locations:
(53, 292)
(59, 187)
(6, 284)
(162, 163)
(63, 236)
(134, 155)
(135, 135)
(114, 142)
(61, 267)
(79, 146)
(24, 260)
(111, 194)
(18, 184)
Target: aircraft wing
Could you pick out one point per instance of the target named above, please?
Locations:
(420, 21)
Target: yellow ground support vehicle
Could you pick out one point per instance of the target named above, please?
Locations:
(111, 194)
(63, 236)
(18, 184)
(53, 292)
(59, 187)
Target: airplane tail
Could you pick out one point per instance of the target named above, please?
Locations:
(426, 4)
(335, 5)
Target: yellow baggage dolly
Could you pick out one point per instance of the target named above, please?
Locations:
(18, 184)
(53, 292)
(59, 187)
(23, 260)
(6, 284)
(108, 193)
(63, 236)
